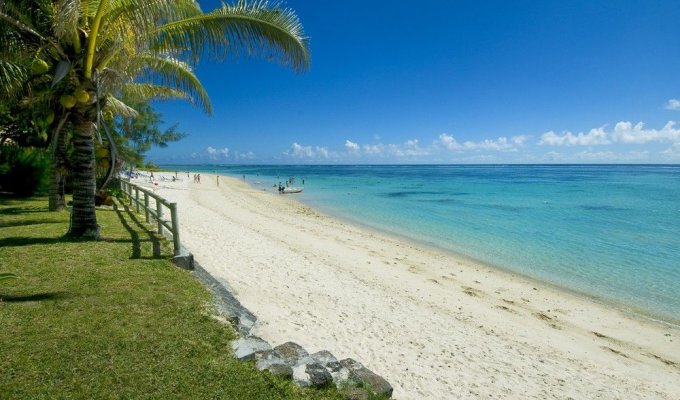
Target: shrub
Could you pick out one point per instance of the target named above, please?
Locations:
(24, 171)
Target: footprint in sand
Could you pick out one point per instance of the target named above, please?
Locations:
(470, 291)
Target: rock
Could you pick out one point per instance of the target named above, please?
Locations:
(351, 364)
(323, 357)
(339, 373)
(364, 377)
(263, 359)
(313, 374)
(355, 394)
(372, 381)
(291, 353)
(245, 348)
(281, 370)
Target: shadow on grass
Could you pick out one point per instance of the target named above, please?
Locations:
(22, 210)
(33, 297)
(30, 222)
(27, 241)
(134, 235)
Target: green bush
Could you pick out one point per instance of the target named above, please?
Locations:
(24, 172)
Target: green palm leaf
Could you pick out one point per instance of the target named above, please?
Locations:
(245, 28)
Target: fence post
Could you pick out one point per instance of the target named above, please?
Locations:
(130, 193)
(159, 215)
(146, 207)
(175, 227)
(137, 199)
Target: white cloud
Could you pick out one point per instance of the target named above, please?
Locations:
(593, 137)
(307, 152)
(672, 152)
(672, 104)
(249, 155)
(373, 149)
(351, 146)
(625, 132)
(498, 144)
(449, 142)
(215, 153)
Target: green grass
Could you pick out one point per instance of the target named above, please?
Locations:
(112, 318)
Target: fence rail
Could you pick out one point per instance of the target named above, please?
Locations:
(172, 225)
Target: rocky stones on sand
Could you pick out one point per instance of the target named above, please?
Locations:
(291, 353)
(246, 347)
(339, 373)
(282, 370)
(323, 357)
(363, 376)
(312, 374)
(321, 369)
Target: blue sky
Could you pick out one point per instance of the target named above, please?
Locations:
(439, 81)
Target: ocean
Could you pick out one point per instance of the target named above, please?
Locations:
(611, 232)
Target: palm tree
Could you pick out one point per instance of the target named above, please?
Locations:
(25, 82)
(145, 48)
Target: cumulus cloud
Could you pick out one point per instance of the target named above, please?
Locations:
(307, 152)
(373, 149)
(449, 142)
(593, 137)
(626, 132)
(215, 153)
(351, 146)
(499, 144)
(672, 104)
(248, 155)
(672, 152)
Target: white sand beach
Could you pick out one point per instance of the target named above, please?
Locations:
(435, 325)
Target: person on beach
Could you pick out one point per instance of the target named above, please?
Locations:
(198, 176)
(151, 178)
(218, 180)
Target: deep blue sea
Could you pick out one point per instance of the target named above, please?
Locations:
(608, 231)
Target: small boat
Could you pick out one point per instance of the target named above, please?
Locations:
(291, 190)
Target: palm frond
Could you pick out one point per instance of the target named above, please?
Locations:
(170, 72)
(66, 20)
(145, 91)
(250, 28)
(119, 108)
(14, 19)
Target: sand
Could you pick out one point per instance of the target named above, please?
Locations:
(434, 324)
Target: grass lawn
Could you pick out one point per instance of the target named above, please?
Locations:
(112, 318)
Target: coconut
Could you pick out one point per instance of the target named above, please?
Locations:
(102, 152)
(81, 95)
(67, 100)
(49, 118)
(39, 66)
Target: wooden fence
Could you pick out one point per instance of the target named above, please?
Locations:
(154, 211)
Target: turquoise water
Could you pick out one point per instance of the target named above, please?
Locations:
(608, 231)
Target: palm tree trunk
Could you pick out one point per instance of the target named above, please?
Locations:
(83, 216)
(57, 200)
